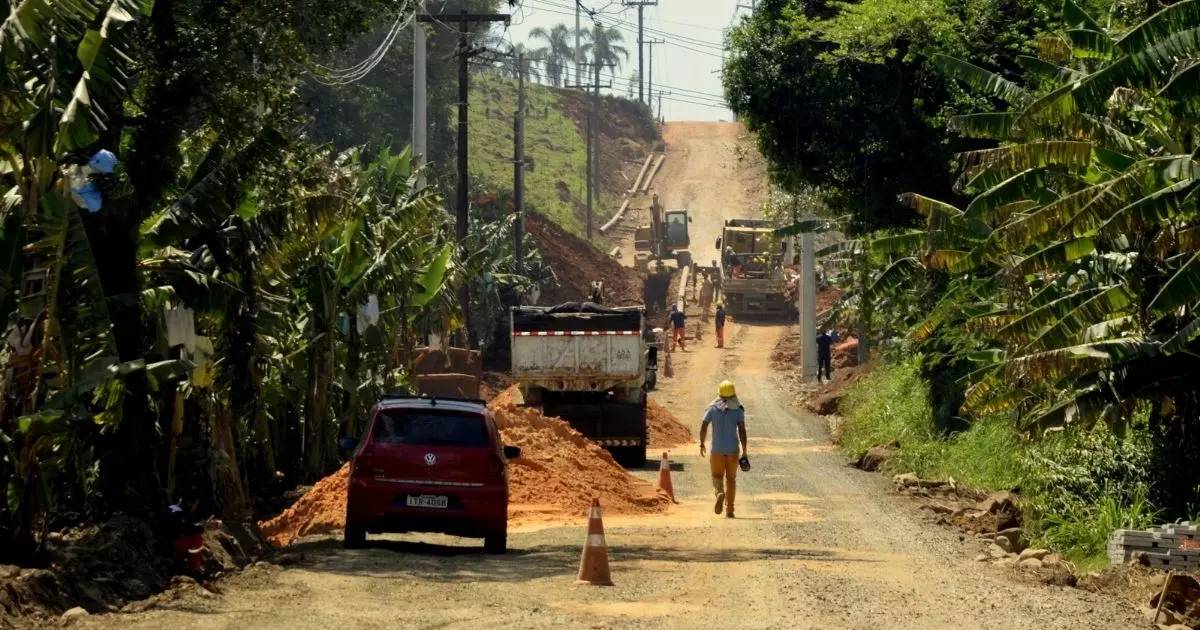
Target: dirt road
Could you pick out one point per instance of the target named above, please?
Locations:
(816, 544)
(711, 169)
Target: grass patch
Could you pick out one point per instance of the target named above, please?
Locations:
(557, 186)
(1077, 486)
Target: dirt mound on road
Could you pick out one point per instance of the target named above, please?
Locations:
(666, 431)
(320, 511)
(557, 476)
(576, 263)
(560, 471)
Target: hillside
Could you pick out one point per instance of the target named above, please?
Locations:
(555, 141)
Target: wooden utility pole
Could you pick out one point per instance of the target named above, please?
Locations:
(461, 216)
(519, 166)
(641, 5)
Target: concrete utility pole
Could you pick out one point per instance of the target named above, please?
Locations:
(807, 305)
(519, 165)
(420, 128)
(641, 6)
(464, 20)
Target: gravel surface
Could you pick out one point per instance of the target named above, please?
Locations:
(817, 544)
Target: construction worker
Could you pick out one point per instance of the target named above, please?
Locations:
(728, 420)
(719, 321)
(188, 529)
(825, 355)
(678, 327)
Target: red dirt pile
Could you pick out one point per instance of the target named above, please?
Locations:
(320, 511)
(560, 471)
(557, 476)
(577, 263)
(666, 431)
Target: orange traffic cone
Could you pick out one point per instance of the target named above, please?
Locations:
(593, 565)
(664, 477)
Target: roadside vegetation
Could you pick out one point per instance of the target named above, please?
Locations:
(1022, 259)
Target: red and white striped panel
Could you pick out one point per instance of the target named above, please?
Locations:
(577, 333)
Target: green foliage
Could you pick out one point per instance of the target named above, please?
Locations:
(556, 187)
(847, 97)
(222, 206)
(1069, 286)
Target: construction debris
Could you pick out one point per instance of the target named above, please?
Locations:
(1172, 546)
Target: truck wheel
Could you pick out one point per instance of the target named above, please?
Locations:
(354, 536)
(496, 544)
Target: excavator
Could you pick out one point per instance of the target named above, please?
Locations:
(661, 247)
(665, 239)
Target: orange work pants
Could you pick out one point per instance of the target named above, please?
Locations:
(720, 336)
(724, 477)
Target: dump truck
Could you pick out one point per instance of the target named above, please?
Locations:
(753, 281)
(591, 366)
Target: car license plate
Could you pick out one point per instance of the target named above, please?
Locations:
(427, 501)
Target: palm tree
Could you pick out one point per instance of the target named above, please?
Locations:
(604, 47)
(558, 52)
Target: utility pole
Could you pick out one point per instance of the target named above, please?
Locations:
(660, 95)
(807, 305)
(578, 48)
(461, 216)
(650, 79)
(420, 128)
(593, 161)
(519, 166)
(641, 5)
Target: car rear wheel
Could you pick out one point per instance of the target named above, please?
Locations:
(497, 544)
(354, 536)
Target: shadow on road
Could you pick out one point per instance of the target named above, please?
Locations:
(453, 563)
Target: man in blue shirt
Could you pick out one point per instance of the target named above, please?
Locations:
(678, 326)
(728, 420)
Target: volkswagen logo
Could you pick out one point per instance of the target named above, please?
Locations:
(430, 459)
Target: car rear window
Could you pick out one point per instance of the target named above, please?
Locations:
(425, 428)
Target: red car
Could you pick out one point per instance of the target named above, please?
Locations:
(429, 465)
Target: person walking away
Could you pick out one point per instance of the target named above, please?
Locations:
(719, 321)
(728, 419)
(824, 356)
(678, 327)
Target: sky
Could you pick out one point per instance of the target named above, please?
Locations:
(686, 67)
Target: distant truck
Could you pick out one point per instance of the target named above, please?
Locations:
(753, 281)
(591, 366)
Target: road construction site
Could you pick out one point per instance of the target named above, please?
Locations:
(816, 543)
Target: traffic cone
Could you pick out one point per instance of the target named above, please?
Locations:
(593, 565)
(664, 477)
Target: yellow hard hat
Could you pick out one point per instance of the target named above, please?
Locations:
(726, 390)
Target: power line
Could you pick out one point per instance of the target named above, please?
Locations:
(622, 82)
(673, 39)
(358, 71)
